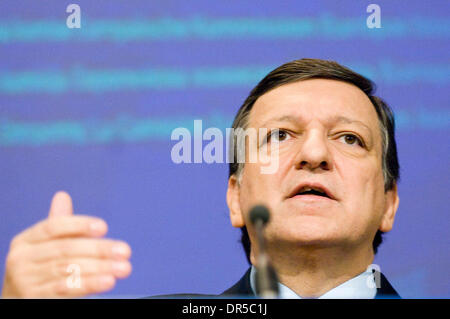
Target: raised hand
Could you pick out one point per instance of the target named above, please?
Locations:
(64, 256)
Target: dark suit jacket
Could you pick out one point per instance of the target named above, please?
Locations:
(243, 288)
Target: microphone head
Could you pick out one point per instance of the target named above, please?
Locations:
(259, 212)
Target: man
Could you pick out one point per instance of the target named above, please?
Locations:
(335, 189)
(332, 196)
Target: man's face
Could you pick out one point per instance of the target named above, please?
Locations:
(329, 142)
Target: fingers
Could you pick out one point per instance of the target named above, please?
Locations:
(91, 266)
(71, 288)
(73, 268)
(47, 265)
(80, 276)
(61, 205)
(63, 226)
(78, 247)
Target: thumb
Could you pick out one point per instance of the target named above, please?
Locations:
(61, 205)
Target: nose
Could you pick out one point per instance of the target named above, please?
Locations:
(313, 153)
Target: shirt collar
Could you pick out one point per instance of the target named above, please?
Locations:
(360, 287)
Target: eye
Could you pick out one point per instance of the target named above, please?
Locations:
(351, 139)
(278, 135)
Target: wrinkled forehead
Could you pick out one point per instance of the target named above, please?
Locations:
(315, 99)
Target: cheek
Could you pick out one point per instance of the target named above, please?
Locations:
(252, 187)
(359, 175)
(257, 188)
(363, 188)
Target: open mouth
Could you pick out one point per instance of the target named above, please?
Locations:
(312, 190)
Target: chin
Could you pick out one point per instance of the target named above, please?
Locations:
(312, 233)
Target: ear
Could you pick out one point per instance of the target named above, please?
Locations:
(392, 202)
(233, 195)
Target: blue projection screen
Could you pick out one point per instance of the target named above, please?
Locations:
(90, 110)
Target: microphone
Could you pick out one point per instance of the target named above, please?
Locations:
(266, 277)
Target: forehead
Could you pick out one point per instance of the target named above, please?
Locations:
(321, 99)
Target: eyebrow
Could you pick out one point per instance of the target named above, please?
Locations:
(343, 119)
(284, 118)
(337, 119)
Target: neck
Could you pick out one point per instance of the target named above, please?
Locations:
(312, 271)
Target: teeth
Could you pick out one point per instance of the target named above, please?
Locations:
(307, 189)
(316, 191)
